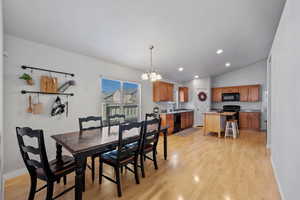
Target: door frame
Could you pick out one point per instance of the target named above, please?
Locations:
(269, 91)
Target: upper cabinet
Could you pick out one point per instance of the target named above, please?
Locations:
(248, 93)
(183, 93)
(162, 91)
(216, 94)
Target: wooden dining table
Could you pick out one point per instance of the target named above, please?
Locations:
(88, 143)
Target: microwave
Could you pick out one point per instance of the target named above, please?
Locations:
(231, 97)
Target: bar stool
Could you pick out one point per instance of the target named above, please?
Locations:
(232, 126)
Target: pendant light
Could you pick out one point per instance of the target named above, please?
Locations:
(152, 74)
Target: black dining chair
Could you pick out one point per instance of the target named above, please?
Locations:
(116, 119)
(36, 162)
(151, 116)
(82, 121)
(123, 156)
(149, 142)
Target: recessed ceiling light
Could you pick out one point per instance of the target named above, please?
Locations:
(180, 69)
(196, 76)
(228, 64)
(219, 51)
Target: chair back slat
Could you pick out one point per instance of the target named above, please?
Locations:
(32, 164)
(30, 149)
(125, 128)
(26, 131)
(115, 119)
(89, 119)
(151, 132)
(149, 116)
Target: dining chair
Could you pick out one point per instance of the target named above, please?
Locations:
(36, 162)
(149, 142)
(123, 156)
(82, 128)
(151, 116)
(116, 119)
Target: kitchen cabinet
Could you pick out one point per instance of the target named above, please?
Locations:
(253, 93)
(248, 93)
(183, 119)
(190, 121)
(162, 91)
(230, 90)
(183, 93)
(244, 93)
(168, 120)
(187, 120)
(249, 120)
(216, 94)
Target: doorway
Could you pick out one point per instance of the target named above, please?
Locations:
(200, 106)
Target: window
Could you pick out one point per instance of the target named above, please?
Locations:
(120, 97)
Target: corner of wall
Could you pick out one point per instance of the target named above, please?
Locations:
(277, 179)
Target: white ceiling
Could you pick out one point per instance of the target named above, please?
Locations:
(185, 33)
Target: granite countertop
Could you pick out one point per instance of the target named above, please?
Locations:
(220, 113)
(179, 111)
(250, 110)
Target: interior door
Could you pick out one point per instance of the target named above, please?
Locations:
(200, 107)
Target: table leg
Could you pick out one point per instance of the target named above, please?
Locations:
(79, 177)
(58, 152)
(165, 132)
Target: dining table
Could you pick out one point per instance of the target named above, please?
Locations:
(82, 144)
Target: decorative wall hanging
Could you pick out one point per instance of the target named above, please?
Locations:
(202, 96)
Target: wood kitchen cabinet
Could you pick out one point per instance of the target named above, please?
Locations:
(183, 118)
(216, 94)
(244, 90)
(248, 93)
(187, 120)
(183, 93)
(190, 121)
(162, 91)
(168, 120)
(253, 93)
(249, 120)
(230, 90)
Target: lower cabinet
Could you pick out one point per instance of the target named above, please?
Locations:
(168, 120)
(249, 120)
(187, 120)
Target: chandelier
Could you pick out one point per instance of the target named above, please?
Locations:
(152, 74)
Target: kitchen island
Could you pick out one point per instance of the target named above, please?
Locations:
(215, 122)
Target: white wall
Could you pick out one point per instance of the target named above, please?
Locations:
(195, 86)
(86, 101)
(285, 99)
(1, 102)
(253, 74)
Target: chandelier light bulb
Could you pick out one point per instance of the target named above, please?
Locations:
(145, 76)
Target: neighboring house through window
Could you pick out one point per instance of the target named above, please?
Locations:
(120, 97)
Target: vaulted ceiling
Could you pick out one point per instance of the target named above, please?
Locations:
(185, 33)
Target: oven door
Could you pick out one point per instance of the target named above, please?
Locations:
(231, 97)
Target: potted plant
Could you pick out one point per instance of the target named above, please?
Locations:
(27, 78)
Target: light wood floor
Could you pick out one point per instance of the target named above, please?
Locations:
(198, 167)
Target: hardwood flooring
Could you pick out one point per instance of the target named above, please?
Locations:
(198, 167)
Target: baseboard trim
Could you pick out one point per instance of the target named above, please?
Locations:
(277, 180)
(14, 174)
